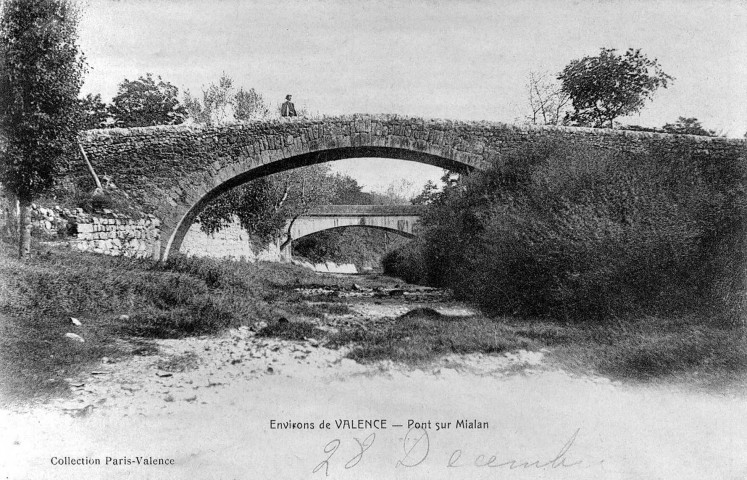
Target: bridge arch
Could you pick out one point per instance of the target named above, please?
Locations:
(396, 231)
(400, 219)
(172, 172)
(229, 178)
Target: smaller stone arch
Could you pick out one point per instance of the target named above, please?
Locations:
(396, 218)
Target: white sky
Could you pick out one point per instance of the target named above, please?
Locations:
(445, 59)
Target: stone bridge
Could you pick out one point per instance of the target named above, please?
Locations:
(396, 218)
(172, 172)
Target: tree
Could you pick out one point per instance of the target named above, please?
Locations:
(688, 126)
(94, 112)
(348, 191)
(143, 102)
(547, 100)
(222, 103)
(263, 206)
(40, 79)
(249, 105)
(432, 194)
(607, 86)
(428, 195)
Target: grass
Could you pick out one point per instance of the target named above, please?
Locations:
(124, 303)
(423, 334)
(122, 298)
(687, 349)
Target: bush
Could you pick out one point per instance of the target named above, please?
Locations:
(407, 263)
(360, 245)
(586, 233)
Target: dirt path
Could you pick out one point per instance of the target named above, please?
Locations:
(215, 407)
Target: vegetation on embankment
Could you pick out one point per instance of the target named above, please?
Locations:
(589, 234)
(119, 298)
(651, 349)
(632, 264)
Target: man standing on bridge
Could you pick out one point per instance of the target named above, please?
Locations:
(288, 110)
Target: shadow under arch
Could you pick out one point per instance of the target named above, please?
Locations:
(177, 234)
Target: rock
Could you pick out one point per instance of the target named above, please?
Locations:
(357, 287)
(396, 292)
(164, 374)
(83, 412)
(74, 337)
(124, 317)
(313, 342)
(270, 370)
(75, 321)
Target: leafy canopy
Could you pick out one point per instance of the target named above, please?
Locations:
(41, 72)
(145, 102)
(94, 112)
(263, 206)
(607, 86)
(688, 126)
(222, 103)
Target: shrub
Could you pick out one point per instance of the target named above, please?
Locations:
(406, 263)
(587, 233)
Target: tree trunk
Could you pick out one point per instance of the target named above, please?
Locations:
(289, 239)
(24, 231)
(11, 216)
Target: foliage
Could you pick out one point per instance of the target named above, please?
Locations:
(607, 86)
(177, 298)
(399, 192)
(42, 72)
(222, 103)
(349, 192)
(264, 205)
(359, 245)
(688, 126)
(585, 233)
(547, 100)
(143, 102)
(408, 262)
(422, 335)
(94, 113)
(432, 194)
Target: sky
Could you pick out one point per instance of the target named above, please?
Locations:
(466, 59)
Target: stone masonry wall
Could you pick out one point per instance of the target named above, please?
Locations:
(109, 233)
(231, 242)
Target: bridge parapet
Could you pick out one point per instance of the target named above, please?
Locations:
(365, 210)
